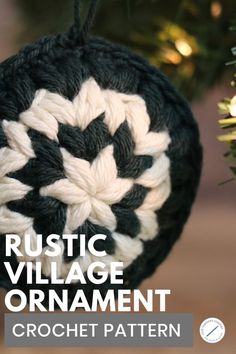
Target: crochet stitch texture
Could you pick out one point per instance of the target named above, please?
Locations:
(94, 140)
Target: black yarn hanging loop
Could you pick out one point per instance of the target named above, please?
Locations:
(89, 19)
(78, 32)
(77, 15)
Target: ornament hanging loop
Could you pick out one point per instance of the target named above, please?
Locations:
(77, 15)
(78, 32)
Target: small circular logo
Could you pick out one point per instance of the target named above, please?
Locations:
(212, 330)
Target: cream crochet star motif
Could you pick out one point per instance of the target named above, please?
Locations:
(89, 189)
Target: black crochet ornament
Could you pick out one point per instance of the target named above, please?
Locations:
(93, 140)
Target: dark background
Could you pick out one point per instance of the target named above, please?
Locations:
(201, 269)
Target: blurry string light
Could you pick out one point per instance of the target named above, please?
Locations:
(216, 9)
(183, 47)
(228, 107)
(171, 56)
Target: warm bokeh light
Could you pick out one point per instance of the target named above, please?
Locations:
(171, 56)
(216, 9)
(227, 138)
(183, 47)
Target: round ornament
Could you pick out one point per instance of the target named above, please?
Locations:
(93, 140)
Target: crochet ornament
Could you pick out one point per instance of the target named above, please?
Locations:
(93, 140)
